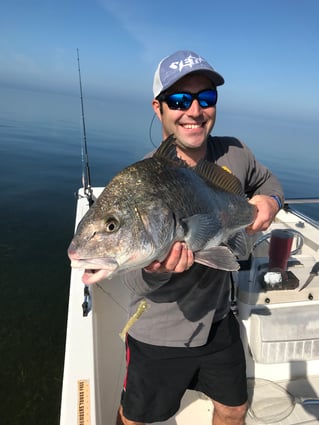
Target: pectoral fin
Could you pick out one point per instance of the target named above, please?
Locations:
(200, 229)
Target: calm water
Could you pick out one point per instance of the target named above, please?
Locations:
(40, 171)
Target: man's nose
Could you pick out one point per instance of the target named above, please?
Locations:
(195, 108)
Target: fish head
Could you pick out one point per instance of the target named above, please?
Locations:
(93, 247)
(119, 234)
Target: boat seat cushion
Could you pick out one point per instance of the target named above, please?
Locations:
(285, 334)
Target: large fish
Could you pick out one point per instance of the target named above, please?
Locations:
(155, 202)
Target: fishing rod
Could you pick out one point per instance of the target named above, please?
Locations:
(86, 182)
(86, 177)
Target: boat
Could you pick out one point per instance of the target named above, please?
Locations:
(279, 327)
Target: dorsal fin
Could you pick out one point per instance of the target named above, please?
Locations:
(214, 175)
(211, 173)
(167, 150)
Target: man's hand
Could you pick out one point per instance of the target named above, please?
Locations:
(267, 208)
(179, 259)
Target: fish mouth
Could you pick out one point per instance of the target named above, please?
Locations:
(94, 263)
(91, 276)
(96, 270)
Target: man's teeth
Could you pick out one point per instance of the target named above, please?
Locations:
(190, 126)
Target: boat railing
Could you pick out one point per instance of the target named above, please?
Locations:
(302, 216)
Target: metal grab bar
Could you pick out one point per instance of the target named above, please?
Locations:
(302, 201)
(302, 216)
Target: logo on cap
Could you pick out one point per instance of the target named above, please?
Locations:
(190, 61)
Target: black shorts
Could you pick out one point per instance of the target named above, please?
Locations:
(157, 376)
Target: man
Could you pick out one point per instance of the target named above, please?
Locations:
(188, 337)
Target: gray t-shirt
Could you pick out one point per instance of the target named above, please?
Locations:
(183, 306)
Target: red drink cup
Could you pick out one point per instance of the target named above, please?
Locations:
(280, 249)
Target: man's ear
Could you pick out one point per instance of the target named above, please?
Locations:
(157, 107)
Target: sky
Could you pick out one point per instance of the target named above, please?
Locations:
(267, 50)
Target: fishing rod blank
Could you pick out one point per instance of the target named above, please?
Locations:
(86, 177)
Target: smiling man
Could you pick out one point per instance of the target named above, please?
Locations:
(188, 337)
(177, 80)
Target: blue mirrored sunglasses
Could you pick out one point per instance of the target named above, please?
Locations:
(182, 101)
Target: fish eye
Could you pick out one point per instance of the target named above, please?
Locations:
(111, 224)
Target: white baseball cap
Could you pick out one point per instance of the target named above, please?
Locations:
(183, 62)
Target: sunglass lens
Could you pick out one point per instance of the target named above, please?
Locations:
(207, 98)
(179, 101)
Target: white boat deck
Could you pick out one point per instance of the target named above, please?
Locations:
(95, 361)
